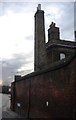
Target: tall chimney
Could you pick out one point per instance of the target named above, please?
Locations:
(39, 43)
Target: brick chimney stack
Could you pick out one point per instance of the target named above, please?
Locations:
(53, 32)
(39, 45)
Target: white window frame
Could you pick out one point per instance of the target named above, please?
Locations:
(62, 56)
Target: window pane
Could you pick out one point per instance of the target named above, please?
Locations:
(62, 56)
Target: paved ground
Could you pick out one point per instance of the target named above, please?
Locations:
(5, 112)
(9, 114)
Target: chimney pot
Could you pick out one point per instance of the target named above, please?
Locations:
(39, 7)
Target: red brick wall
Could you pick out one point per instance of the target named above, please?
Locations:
(57, 87)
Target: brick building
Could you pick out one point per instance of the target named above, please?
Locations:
(54, 49)
(49, 91)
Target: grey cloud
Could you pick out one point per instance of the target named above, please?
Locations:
(29, 37)
(10, 66)
(65, 21)
(0, 70)
(4, 6)
(75, 16)
(16, 7)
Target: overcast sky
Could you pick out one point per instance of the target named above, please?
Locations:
(17, 33)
